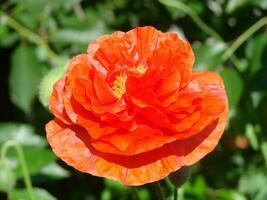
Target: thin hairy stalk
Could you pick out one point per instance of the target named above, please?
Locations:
(175, 193)
(31, 36)
(243, 37)
(12, 143)
(194, 16)
(201, 24)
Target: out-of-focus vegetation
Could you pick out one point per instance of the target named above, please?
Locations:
(37, 36)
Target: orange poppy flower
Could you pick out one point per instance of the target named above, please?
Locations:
(132, 109)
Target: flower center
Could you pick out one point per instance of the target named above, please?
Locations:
(119, 85)
(120, 81)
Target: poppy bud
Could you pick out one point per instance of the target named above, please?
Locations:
(47, 83)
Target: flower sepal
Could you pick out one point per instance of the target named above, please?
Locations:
(179, 177)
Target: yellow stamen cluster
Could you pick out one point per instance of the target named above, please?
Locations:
(119, 85)
(120, 81)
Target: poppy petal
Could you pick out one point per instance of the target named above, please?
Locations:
(56, 101)
(133, 110)
(210, 90)
(73, 146)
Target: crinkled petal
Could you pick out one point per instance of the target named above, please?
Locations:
(154, 136)
(56, 101)
(73, 146)
(144, 40)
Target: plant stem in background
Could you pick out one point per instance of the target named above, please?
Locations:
(31, 36)
(175, 191)
(26, 176)
(201, 24)
(184, 8)
(243, 37)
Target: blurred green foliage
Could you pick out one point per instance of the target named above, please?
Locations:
(37, 36)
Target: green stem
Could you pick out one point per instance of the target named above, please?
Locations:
(26, 176)
(243, 37)
(159, 191)
(31, 36)
(201, 24)
(175, 195)
(194, 16)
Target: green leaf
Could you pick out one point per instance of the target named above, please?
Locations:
(144, 194)
(106, 194)
(46, 85)
(254, 51)
(234, 86)
(234, 5)
(252, 137)
(225, 194)
(208, 55)
(196, 187)
(38, 7)
(74, 36)
(54, 171)
(22, 133)
(262, 195)
(199, 186)
(264, 151)
(251, 183)
(8, 38)
(25, 76)
(261, 3)
(257, 97)
(115, 185)
(7, 178)
(22, 194)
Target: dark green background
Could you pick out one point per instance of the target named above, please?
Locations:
(236, 170)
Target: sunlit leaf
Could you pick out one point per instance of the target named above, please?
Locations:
(22, 194)
(234, 86)
(196, 187)
(254, 51)
(257, 97)
(234, 5)
(77, 36)
(208, 55)
(144, 194)
(225, 194)
(23, 133)
(54, 171)
(252, 137)
(252, 183)
(106, 194)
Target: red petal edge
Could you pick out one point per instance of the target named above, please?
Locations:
(72, 145)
